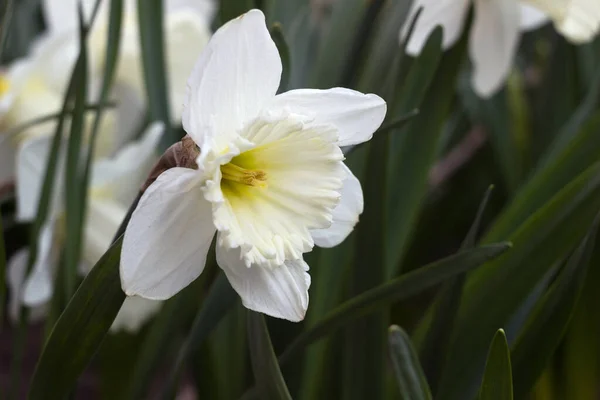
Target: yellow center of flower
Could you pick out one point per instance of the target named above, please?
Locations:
(250, 177)
(4, 85)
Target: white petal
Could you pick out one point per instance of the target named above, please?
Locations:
(532, 18)
(121, 177)
(167, 239)
(345, 215)
(354, 114)
(39, 286)
(493, 42)
(187, 33)
(15, 274)
(128, 117)
(204, 8)
(62, 15)
(31, 166)
(580, 21)
(134, 313)
(236, 74)
(449, 14)
(15, 271)
(104, 216)
(281, 291)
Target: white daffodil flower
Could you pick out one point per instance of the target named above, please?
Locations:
(27, 91)
(496, 30)
(115, 183)
(186, 27)
(270, 182)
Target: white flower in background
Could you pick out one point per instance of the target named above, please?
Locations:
(270, 180)
(186, 27)
(115, 183)
(497, 27)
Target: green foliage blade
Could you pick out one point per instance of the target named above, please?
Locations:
(74, 191)
(414, 149)
(548, 322)
(409, 374)
(231, 9)
(365, 340)
(269, 379)
(284, 52)
(219, 301)
(548, 235)
(2, 271)
(497, 379)
(150, 22)
(80, 329)
(396, 289)
(445, 308)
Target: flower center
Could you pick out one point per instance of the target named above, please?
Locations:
(4, 85)
(249, 177)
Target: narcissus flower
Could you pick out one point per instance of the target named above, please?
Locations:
(115, 182)
(270, 182)
(497, 27)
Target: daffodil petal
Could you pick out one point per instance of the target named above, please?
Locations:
(104, 216)
(39, 285)
(235, 76)
(123, 175)
(31, 163)
(581, 20)
(187, 33)
(166, 241)
(61, 15)
(345, 214)
(449, 14)
(281, 292)
(206, 8)
(15, 273)
(492, 43)
(134, 313)
(355, 115)
(532, 18)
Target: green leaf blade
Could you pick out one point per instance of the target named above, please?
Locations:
(80, 329)
(497, 379)
(549, 320)
(264, 362)
(409, 374)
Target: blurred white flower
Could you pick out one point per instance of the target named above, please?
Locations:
(115, 183)
(270, 180)
(497, 27)
(186, 27)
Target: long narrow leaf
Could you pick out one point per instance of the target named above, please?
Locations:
(150, 21)
(497, 379)
(409, 374)
(2, 272)
(80, 329)
(365, 339)
(548, 235)
(264, 362)
(445, 308)
(74, 209)
(549, 320)
(415, 148)
(397, 289)
(219, 301)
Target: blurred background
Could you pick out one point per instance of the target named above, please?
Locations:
(455, 167)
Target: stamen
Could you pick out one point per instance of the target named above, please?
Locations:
(250, 177)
